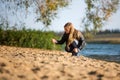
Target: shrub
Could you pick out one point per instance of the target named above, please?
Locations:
(28, 38)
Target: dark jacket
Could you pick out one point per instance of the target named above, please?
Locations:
(64, 39)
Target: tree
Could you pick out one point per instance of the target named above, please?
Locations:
(46, 10)
(98, 12)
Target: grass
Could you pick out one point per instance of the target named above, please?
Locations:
(28, 38)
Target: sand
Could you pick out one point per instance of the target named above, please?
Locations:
(36, 64)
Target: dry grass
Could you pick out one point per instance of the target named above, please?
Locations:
(106, 38)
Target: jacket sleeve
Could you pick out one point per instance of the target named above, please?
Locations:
(63, 39)
(80, 41)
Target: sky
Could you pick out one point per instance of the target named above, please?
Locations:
(113, 22)
(73, 13)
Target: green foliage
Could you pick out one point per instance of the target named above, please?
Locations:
(28, 38)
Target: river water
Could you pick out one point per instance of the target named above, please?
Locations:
(101, 49)
(108, 52)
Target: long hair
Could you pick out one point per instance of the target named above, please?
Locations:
(73, 34)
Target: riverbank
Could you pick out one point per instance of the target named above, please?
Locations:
(36, 64)
(105, 38)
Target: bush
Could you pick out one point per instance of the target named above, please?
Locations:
(28, 38)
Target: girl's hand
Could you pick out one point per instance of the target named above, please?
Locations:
(54, 41)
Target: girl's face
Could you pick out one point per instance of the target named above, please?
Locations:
(67, 29)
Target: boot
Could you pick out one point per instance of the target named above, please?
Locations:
(74, 54)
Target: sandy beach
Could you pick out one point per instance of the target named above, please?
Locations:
(36, 64)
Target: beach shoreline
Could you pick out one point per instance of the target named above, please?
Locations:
(37, 64)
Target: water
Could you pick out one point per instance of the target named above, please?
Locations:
(101, 49)
(107, 52)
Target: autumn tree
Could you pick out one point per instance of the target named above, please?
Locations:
(45, 10)
(97, 13)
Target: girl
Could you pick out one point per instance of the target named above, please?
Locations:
(73, 38)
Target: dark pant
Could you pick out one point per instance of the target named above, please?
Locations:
(71, 47)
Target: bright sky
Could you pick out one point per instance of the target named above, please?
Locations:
(74, 13)
(114, 21)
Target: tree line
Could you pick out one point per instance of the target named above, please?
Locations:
(109, 31)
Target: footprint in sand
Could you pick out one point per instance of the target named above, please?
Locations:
(35, 69)
(21, 76)
(44, 77)
(2, 64)
(92, 72)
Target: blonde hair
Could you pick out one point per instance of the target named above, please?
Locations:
(73, 34)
